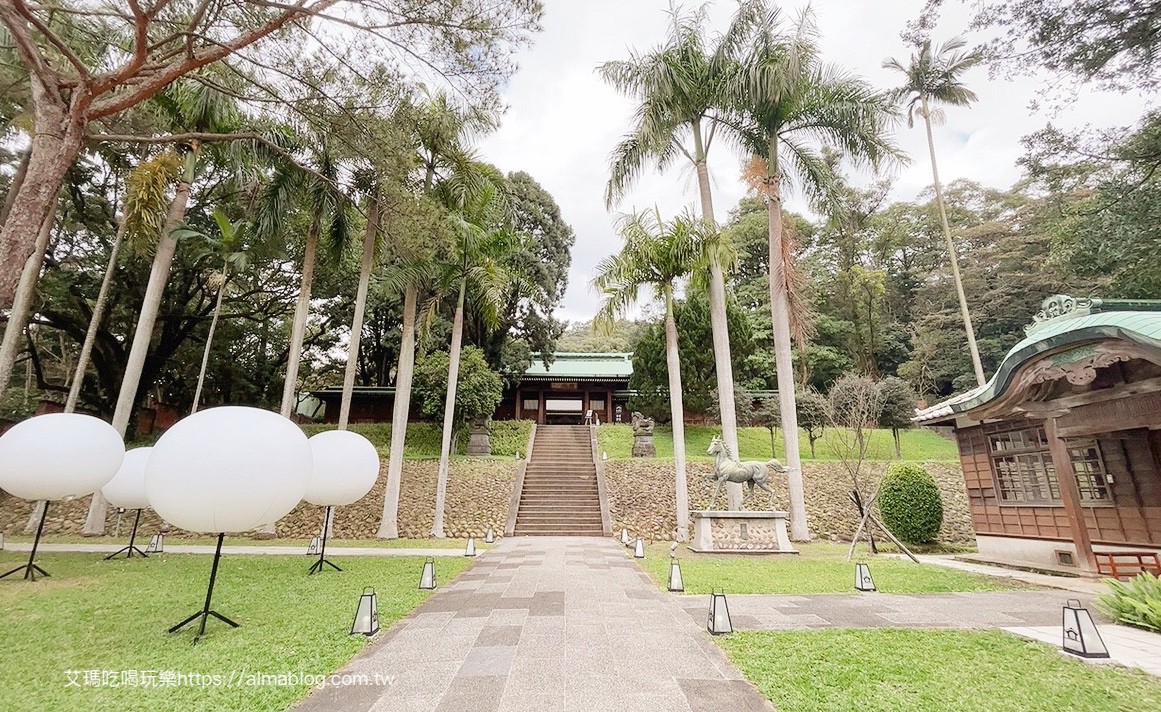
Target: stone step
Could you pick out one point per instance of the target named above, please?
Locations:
(559, 531)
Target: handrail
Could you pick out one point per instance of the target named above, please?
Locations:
(602, 495)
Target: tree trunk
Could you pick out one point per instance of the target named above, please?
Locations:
(898, 445)
(143, 334)
(963, 306)
(449, 408)
(94, 323)
(197, 399)
(677, 414)
(298, 329)
(780, 318)
(14, 186)
(389, 527)
(719, 326)
(22, 303)
(369, 238)
(57, 139)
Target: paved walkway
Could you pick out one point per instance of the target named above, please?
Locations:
(887, 610)
(1127, 646)
(233, 550)
(544, 624)
(1076, 584)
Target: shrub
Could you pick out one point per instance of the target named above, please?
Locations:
(1134, 602)
(910, 504)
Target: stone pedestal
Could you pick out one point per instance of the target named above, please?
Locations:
(643, 446)
(479, 442)
(740, 533)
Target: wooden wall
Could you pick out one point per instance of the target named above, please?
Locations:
(1134, 518)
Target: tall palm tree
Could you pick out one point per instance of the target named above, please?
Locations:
(480, 222)
(657, 255)
(788, 107)
(189, 106)
(682, 87)
(934, 77)
(369, 253)
(441, 130)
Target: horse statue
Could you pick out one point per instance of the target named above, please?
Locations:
(727, 469)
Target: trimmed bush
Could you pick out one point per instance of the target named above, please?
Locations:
(1134, 602)
(910, 505)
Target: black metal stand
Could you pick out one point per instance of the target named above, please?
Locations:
(205, 612)
(128, 550)
(322, 552)
(31, 569)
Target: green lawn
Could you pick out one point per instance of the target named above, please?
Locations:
(819, 568)
(112, 615)
(423, 439)
(143, 539)
(891, 670)
(917, 444)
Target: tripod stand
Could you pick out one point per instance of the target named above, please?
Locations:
(31, 569)
(205, 612)
(322, 552)
(128, 550)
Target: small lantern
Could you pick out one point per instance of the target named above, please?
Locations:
(471, 550)
(427, 578)
(490, 537)
(675, 584)
(312, 548)
(639, 549)
(625, 537)
(1081, 636)
(719, 615)
(1, 541)
(367, 614)
(863, 580)
(156, 544)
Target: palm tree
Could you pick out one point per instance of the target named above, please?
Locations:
(656, 255)
(788, 106)
(934, 77)
(441, 130)
(480, 223)
(367, 263)
(681, 86)
(191, 106)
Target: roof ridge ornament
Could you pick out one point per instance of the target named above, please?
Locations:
(1062, 306)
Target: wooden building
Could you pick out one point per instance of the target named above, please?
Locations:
(563, 392)
(1080, 394)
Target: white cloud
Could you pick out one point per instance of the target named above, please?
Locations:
(563, 120)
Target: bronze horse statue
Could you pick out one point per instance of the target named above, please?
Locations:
(727, 469)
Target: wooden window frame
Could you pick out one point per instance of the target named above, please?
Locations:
(1037, 448)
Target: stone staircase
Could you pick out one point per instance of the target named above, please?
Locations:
(559, 497)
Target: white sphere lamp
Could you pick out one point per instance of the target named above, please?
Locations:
(346, 466)
(127, 491)
(57, 456)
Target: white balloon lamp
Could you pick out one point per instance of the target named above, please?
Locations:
(227, 469)
(127, 491)
(57, 456)
(346, 466)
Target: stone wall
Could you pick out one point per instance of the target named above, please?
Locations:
(478, 494)
(642, 500)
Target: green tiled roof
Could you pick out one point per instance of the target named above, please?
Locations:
(578, 366)
(1141, 327)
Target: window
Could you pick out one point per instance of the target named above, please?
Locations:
(1025, 473)
(597, 403)
(1091, 476)
(562, 405)
(531, 404)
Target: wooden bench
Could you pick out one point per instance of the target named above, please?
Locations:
(1127, 564)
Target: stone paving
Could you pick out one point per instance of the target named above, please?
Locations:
(885, 610)
(544, 624)
(1127, 646)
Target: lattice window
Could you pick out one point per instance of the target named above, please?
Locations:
(1091, 475)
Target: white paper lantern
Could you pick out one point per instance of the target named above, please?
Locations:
(228, 469)
(59, 456)
(127, 488)
(346, 466)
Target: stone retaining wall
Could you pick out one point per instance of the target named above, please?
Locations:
(478, 493)
(642, 500)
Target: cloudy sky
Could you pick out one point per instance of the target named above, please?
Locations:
(563, 121)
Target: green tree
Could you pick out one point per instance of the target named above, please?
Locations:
(478, 390)
(681, 87)
(813, 415)
(899, 400)
(657, 255)
(934, 76)
(787, 106)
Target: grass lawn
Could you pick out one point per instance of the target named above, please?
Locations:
(820, 568)
(170, 540)
(891, 670)
(916, 444)
(112, 615)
